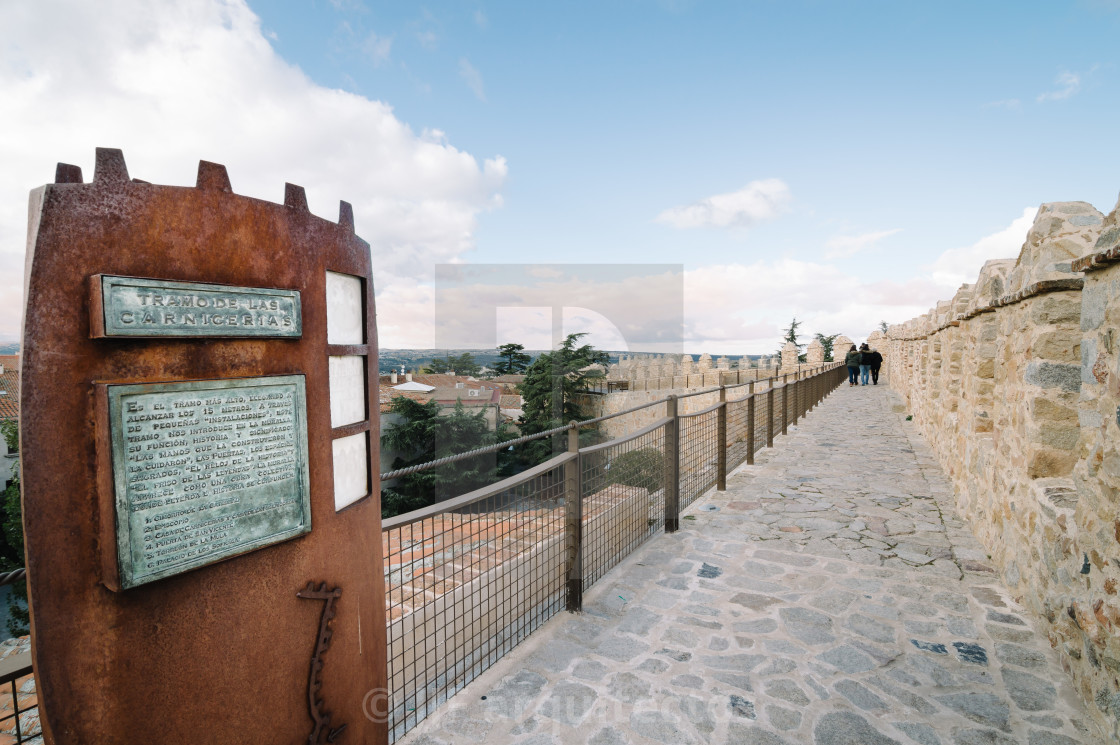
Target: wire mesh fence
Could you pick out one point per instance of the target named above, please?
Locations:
(740, 443)
(699, 453)
(467, 584)
(622, 483)
(469, 578)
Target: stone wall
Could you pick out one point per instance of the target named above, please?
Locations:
(596, 406)
(1015, 383)
(665, 372)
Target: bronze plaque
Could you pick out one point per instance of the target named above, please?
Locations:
(130, 306)
(205, 470)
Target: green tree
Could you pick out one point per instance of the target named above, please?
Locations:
(463, 364)
(826, 342)
(513, 360)
(426, 433)
(883, 326)
(791, 336)
(11, 537)
(549, 393)
(791, 333)
(438, 366)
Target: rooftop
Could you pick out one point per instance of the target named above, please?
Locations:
(446, 389)
(9, 389)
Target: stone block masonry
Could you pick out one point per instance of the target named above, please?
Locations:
(1015, 382)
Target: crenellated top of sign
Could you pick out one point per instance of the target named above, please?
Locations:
(135, 307)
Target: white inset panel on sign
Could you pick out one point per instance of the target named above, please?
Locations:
(348, 390)
(344, 309)
(351, 473)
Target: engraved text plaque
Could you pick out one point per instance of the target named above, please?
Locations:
(130, 306)
(205, 470)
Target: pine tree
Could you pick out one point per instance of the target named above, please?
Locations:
(826, 342)
(513, 360)
(791, 334)
(426, 433)
(549, 391)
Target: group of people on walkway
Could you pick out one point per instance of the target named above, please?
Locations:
(861, 363)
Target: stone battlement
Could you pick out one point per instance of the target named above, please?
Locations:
(1015, 383)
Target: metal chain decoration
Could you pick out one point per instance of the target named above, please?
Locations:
(321, 718)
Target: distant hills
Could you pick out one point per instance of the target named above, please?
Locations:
(411, 359)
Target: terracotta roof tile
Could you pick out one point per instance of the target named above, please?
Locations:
(9, 400)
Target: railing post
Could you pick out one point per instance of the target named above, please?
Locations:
(750, 426)
(770, 415)
(798, 400)
(673, 452)
(785, 406)
(721, 437)
(573, 524)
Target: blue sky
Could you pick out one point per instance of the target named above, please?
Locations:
(842, 161)
(923, 118)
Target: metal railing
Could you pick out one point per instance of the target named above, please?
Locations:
(470, 578)
(18, 723)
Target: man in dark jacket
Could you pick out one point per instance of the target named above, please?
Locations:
(874, 360)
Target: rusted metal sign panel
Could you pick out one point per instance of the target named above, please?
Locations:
(133, 306)
(245, 478)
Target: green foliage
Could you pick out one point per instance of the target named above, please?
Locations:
(11, 557)
(9, 430)
(791, 336)
(427, 433)
(644, 468)
(11, 537)
(826, 342)
(513, 360)
(462, 364)
(549, 393)
(883, 326)
(791, 332)
(438, 366)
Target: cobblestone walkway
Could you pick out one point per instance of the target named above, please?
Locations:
(830, 596)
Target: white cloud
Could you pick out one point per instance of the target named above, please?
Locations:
(1068, 83)
(960, 265)
(481, 20)
(377, 48)
(843, 246)
(472, 77)
(743, 308)
(756, 202)
(171, 83)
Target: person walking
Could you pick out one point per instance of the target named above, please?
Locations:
(876, 361)
(864, 363)
(852, 360)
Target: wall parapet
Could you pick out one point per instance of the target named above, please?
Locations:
(1015, 382)
(1032, 290)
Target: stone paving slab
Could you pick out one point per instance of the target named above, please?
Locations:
(833, 597)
